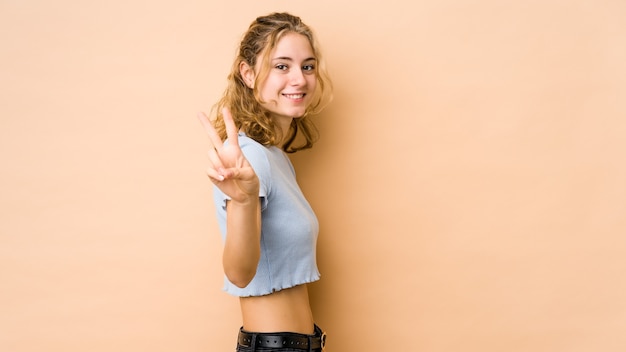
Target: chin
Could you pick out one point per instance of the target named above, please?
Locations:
(298, 114)
(291, 113)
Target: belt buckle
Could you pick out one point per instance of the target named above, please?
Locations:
(323, 340)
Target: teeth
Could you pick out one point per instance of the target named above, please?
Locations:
(294, 96)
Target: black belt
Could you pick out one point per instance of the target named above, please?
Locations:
(283, 340)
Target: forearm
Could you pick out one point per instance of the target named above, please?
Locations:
(242, 249)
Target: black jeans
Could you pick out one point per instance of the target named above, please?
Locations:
(281, 341)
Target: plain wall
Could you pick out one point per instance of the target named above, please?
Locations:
(470, 180)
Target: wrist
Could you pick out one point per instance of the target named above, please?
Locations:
(245, 201)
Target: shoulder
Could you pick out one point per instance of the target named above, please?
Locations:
(257, 155)
(251, 149)
(247, 142)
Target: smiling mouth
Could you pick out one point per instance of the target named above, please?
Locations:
(294, 96)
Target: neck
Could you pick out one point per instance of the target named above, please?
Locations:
(283, 123)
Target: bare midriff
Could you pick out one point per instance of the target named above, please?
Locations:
(284, 310)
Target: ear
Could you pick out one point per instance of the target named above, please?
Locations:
(247, 73)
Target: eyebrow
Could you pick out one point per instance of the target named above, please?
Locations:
(290, 59)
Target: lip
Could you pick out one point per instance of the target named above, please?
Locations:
(294, 96)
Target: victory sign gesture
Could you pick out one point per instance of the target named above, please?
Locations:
(229, 169)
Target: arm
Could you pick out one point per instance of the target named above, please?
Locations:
(242, 248)
(232, 174)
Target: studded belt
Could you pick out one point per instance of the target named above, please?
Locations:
(283, 340)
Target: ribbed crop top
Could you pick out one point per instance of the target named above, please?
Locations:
(289, 227)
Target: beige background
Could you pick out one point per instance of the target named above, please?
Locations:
(470, 179)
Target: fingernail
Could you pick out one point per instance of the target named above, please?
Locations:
(222, 172)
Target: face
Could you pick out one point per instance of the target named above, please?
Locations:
(288, 89)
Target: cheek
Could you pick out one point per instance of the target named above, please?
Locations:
(312, 83)
(269, 88)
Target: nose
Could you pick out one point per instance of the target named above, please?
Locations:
(297, 78)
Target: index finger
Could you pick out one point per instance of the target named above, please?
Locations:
(215, 139)
(231, 129)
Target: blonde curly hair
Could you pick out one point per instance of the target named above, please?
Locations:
(244, 103)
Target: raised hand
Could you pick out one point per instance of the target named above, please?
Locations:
(229, 170)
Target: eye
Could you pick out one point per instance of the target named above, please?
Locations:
(281, 67)
(308, 68)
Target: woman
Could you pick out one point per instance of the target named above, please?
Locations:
(269, 229)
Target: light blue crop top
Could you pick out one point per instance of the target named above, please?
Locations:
(289, 226)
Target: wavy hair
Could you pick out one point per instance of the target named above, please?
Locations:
(245, 104)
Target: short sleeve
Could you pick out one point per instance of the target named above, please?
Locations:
(256, 154)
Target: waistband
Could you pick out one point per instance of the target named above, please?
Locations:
(283, 339)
